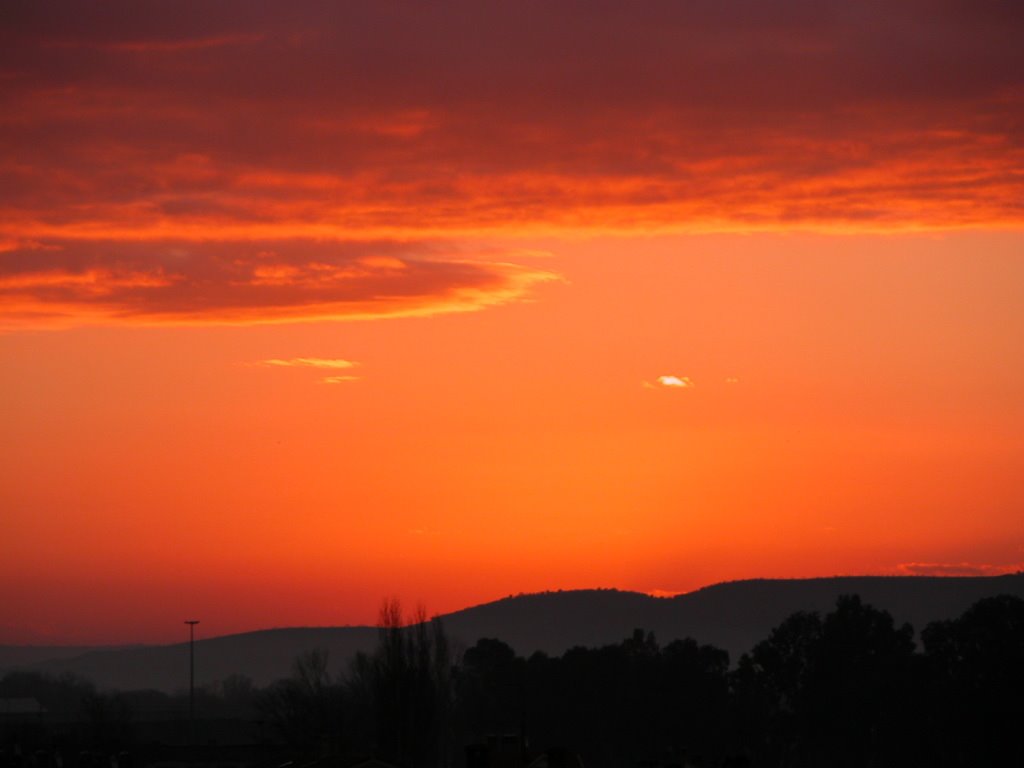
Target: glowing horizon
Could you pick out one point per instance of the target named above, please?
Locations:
(306, 305)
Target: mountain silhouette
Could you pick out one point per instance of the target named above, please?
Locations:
(732, 616)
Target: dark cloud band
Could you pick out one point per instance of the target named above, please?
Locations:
(242, 282)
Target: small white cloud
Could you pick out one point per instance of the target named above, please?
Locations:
(669, 382)
(732, 380)
(338, 379)
(680, 382)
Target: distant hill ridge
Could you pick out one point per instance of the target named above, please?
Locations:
(731, 615)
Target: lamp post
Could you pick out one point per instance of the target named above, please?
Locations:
(192, 679)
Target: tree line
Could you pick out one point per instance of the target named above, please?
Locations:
(845, 689)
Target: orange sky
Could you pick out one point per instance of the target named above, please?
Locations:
(302, 307)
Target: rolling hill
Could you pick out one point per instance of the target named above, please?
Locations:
(732, 615)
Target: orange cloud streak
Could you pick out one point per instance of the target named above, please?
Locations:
(958, 569)
(181, 283)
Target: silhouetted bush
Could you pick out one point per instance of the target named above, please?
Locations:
(306, 708)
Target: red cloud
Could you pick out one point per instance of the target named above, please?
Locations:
(470, 116)
(128, 127)
(242, 282)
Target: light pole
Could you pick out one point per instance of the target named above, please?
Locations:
(192, 679)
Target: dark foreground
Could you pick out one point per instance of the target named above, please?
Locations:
(844, 689)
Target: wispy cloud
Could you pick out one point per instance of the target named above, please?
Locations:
(311, 362)
(958, 569)
(320, 364)
(243, 282)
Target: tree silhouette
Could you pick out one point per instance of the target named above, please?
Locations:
(491, 689)
(407, 686)
(977, 664)
(306, 707)
(828, 692)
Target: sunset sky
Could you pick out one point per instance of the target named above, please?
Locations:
(307, 304)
